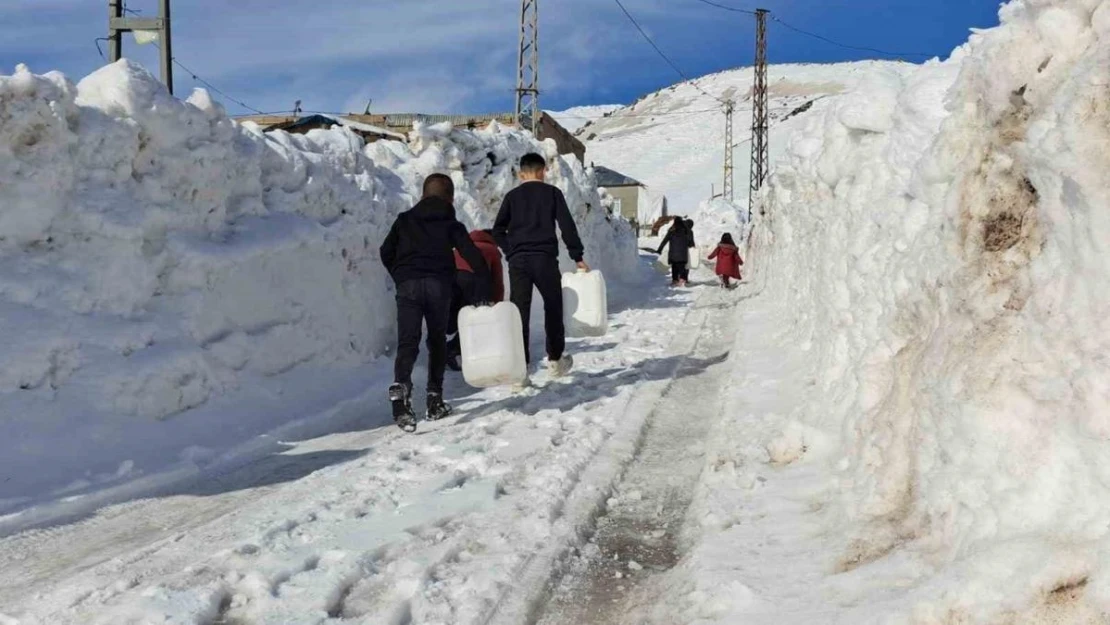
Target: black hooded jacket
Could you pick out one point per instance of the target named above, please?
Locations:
(681, 239)
(422, 242)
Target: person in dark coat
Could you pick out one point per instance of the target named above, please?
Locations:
(525, 229)
(419, 254)
(728, 260)
(465, 289)
(680, 240)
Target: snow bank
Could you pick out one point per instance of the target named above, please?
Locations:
(163, 269)
(942, 236)
(716, 217)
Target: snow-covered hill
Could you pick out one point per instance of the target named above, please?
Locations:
(673, 140)
(573, 119)
(173, 284)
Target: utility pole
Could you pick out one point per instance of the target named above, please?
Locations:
(118, 23)
(726, 193)
(528, 67)
(759, 110)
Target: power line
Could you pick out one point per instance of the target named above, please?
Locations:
(846, 46)
(215, 88)
(624, 115)
(663, 55)
(212, 87)
(815, 35)
(727, 8)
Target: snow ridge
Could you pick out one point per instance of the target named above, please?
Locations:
(940, 235)
(173, 283)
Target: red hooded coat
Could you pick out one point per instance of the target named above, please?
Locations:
(488, 247)
(728, 260)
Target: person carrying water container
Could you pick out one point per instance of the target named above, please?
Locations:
(419, 254)
(466, 292)
(681, 239)
(525, 229)
(728, 260)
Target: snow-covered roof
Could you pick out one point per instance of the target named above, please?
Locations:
(356, 125)
(609, 178)
(341, 121)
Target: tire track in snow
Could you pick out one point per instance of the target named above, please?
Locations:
(400, 533)
(531, 596)
(637, 536)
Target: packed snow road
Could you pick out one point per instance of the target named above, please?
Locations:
(460, 523)
(638, 535)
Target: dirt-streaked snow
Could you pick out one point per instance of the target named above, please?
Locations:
(920, 421)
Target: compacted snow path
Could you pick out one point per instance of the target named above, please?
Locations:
(638, 534)
(445, 526)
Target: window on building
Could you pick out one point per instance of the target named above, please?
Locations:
(617, 206)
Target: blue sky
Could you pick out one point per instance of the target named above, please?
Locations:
(459, 55)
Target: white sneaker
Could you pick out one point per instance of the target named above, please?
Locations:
(561, 367)
(522, 386)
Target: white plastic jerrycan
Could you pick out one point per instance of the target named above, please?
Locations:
(695, 257)
(585, 304)
(492, 345)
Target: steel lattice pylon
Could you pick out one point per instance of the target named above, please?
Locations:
(759, 110)
(528, 67)
(729, 147)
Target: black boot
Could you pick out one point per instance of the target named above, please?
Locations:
(437, 409)
(401, 398)
(454, 354)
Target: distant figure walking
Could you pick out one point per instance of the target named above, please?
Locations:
(728, 260)
(681, 239)
(525, 229)
(419, 254)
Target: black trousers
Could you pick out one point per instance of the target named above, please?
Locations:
(541, 272)
(420, 301)
(463, 294)
(680, 271)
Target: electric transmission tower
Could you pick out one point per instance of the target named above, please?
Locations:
(118, 23)
(528, 67)
(759, 110)
(727, 193)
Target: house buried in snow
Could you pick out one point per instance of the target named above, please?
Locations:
(625, 191)
(395, 127)
(301, 125)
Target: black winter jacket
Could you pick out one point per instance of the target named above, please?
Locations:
(525, 224)
(680, 241)
(422, 242)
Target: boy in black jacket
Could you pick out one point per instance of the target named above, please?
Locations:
(419, 254)
(525, 229)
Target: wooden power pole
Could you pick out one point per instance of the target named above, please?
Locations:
(528, 67)
(759, 110)
(118, 24)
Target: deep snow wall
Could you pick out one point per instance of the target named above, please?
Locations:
(943, 238)
(156, 257)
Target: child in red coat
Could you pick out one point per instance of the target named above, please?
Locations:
(728, 260)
